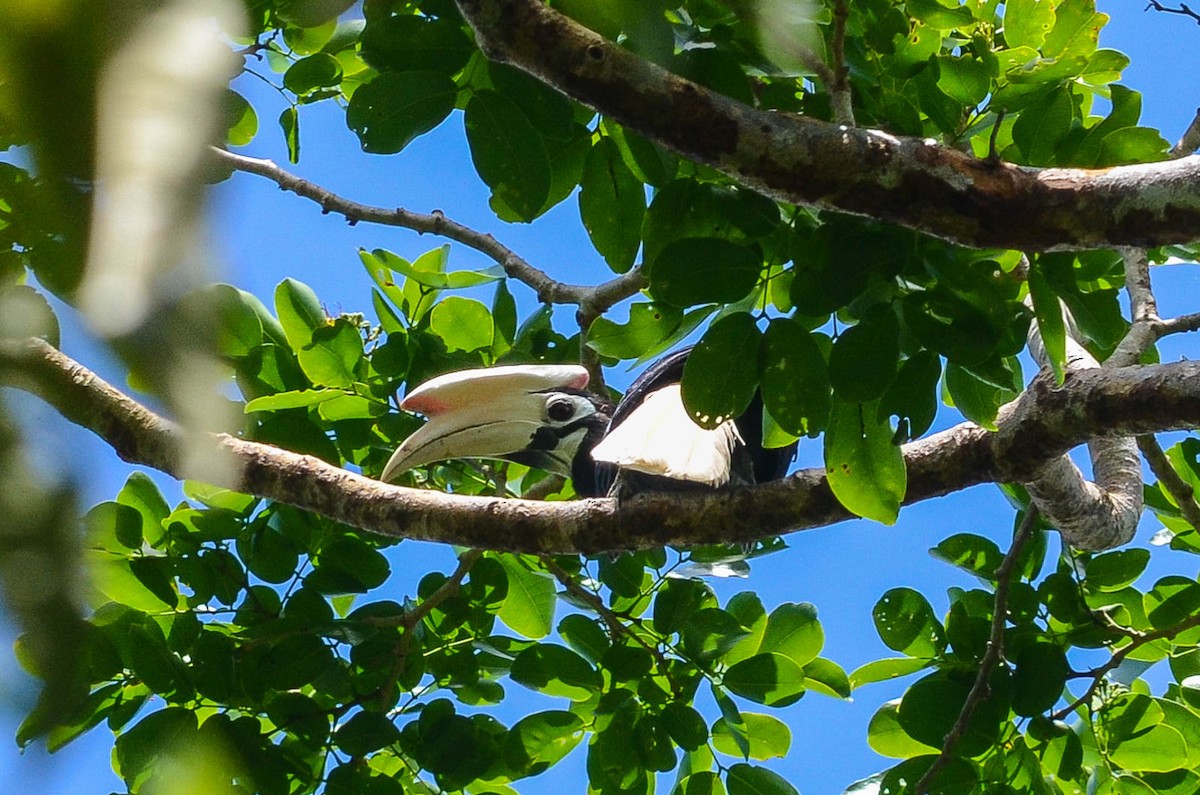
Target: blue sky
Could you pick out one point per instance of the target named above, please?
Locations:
(260, 235)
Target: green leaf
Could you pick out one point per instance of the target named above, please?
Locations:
(887, 738)
(978, 400)
(537, 742)
(1112, 571)
(1076, 29)
(978, 555)
(299, 311)
(1133, 145)
(865, 356)
(315, 71)
(795, 378)
(140, 493)
(1027, 22)
(940, 15)
(113, 527)
(1158, 748)
(241, 122)
(793, 631)
(710, 632)
(865, 469)
(529, 606)
(827, 678)
(155, 735)
(299, 398)
(394, 108)
(1172, 600)
(648, 325)
(913, 394)
(585, 636)
(612, 203)
(677, 601)
(906, 623)
(556, 671)
(347, 565)
(964, 78)
(1042, 125)
(703, 270)
(289, 124)
(685, 725)
(333, 355)
(366, 732)
(770, 738)
(744, 779)
(293, 662)
(931, 706)
(508, 153)
(649, 162)
(235, 313)
(721, 374)
(464, 324)
(407, 42)
(733, 719)
(885, 670)
(766, 678)
(1049, 313)
(1038, 680)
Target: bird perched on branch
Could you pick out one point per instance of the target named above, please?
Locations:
(543, 416)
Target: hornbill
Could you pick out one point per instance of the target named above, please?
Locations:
(542, 416)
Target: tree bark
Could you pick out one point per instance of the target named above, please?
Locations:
(916, 183)
(1045, 422)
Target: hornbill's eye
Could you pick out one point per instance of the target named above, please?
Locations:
(560, 409)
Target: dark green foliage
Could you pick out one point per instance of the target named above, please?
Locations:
(251, 634)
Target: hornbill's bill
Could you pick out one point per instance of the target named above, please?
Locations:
(542, 416)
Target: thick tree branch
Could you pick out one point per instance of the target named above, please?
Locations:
(1044, 423)
(991, 657)
(912, 182)
(1090, 514)
(595, 299)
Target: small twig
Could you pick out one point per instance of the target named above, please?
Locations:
(544, 487)
(1189, 142)
(411, 618)
(616, 627)
(549, 291)
(993, 655)
(588, 357)
(1183, 10)
(993, 156)
(1180, 490)
(839, 89)
(1137, 640)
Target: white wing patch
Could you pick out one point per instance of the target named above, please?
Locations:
(658, 438)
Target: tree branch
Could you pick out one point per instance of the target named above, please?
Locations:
(596, 299)
(1182, 10)
(1177, 487)
(839, 90)
(991, 658)
(908, 181)
(1045, 422)
(1189, 142)
(1137, 640)
(1089, 514)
